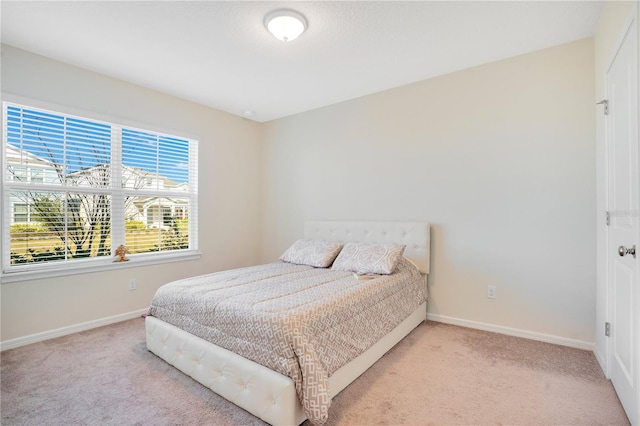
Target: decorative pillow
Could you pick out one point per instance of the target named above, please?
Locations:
(368, 258)
(320, 254)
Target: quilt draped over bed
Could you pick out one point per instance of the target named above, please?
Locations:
(300, 321)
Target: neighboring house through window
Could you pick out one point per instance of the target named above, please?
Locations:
(77, 188)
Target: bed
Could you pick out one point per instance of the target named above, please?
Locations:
(292, 387)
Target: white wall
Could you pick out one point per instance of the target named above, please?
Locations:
(612, 22)
(499, 158)
(229, 209)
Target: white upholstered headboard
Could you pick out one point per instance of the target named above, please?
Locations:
(415, 235)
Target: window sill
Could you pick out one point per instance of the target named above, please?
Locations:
(98, 265)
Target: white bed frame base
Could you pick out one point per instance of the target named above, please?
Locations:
(264, 393)
(261, 391)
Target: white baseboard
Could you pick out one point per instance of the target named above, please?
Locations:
(548, 338)
(601, 360)
(59, 332)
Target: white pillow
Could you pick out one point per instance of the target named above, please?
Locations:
(368, 258)
(320, 254)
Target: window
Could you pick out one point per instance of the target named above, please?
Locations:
(20, 213)
(36, 176)
(77, 188)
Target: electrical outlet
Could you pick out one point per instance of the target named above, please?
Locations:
(132, 284)
(491, 292)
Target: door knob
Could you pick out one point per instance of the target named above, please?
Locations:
(623, 251)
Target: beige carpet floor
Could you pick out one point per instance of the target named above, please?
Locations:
(438, 375)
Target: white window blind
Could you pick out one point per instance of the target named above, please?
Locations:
(74, 189)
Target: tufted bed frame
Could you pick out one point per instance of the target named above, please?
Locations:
(265, 393)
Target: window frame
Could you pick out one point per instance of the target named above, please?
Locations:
(100, 263)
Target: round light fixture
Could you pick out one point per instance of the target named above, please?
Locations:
(285, 24)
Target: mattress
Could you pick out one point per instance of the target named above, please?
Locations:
(300, 321)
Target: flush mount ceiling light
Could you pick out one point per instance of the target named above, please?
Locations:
(285, 24)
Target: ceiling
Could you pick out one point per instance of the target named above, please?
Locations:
(220, 54)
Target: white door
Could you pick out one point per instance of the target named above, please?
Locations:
(624, 230)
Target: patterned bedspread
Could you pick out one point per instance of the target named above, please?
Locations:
(300, 321)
